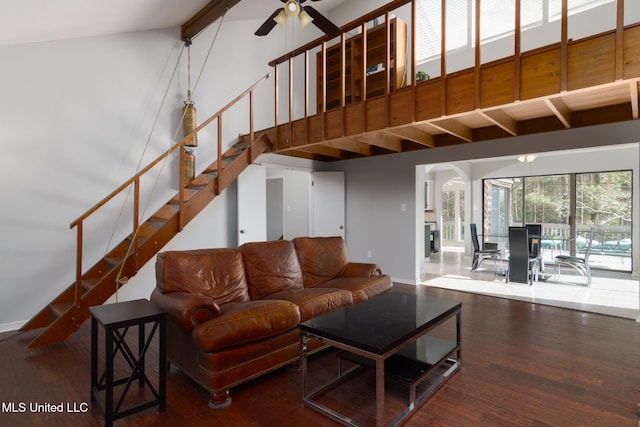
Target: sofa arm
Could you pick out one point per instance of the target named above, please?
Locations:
(360, 269)
(189, 310)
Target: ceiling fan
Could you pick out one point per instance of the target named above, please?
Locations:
(306, 15)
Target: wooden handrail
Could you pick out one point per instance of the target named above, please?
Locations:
(135, 180)
(166, 153)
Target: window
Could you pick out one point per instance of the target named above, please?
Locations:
(497, 20)
(574, 6)
(602, 200)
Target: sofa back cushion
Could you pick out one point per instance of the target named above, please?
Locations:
(271, 267)
(321, 258)
(217, 273)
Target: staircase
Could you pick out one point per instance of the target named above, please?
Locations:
(68, 311)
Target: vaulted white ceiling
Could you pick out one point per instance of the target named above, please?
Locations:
(29, 21)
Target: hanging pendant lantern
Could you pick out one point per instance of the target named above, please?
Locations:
(190, 123)
(189, 165)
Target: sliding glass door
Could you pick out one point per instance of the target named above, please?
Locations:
(567, 206)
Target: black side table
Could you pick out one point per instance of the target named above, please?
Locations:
(116, 319)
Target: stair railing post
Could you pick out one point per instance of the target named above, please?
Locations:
(220, 165)
(181, 190)
(136, 222)
(251, 141)
(78, 289)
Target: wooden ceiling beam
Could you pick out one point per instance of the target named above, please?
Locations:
(560, 110)
(323, 150)
(415, 135)
(502, 120)
(382, 140)
(351, 145)
(454, 128)
(205, 17)
(633, 89)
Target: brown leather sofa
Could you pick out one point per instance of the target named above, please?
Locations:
(234, 313)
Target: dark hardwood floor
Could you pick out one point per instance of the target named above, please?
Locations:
(523, 365)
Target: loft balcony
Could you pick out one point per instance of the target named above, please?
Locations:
(359, 96)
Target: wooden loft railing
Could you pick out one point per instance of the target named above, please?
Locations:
(70, 309)
(430, 113)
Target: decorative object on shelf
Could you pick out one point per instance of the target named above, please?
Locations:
(375, 68)
(421, 76)
(189, 124)
(305, 14)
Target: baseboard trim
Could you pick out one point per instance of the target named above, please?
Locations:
(13, 326)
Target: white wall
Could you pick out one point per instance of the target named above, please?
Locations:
(74, 119)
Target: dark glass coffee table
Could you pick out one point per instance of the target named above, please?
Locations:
(389, 334)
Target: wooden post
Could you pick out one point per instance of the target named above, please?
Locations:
(619, 40)
(78, 290)
(564, 48)
(276, 105)
(181, 191)
(136, 223)
(290, 130)
(517, 51)
(413, 60)
(443, 58)
(478, 59)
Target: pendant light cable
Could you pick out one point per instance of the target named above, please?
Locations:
(119, 279)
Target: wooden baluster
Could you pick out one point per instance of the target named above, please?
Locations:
(290, 130)
(251, 137)
(564, 48)
(276, 106)
(136, 223)
(619, 40)
(181, 191)
(517, 52)
(78, 290)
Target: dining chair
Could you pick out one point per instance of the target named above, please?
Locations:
(480, 254)
(581, 264)
(523, 264)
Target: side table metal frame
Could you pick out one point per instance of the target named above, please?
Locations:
(115, 331)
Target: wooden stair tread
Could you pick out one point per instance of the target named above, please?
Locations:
(166, 212)
(202, 180)
(60, 308)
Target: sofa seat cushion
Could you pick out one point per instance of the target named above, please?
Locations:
(217, 273)
(321, 258)
(240, 323)
(314, 302)
(361, 288)
(271, 267)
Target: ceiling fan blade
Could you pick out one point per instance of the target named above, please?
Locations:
(268, 24)
(320, 21)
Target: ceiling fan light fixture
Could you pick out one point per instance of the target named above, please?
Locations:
(281, 18)
(292, 8)
(305, 19)
(527, 158)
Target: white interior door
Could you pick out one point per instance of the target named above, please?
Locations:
(328, 204)
(252, 205)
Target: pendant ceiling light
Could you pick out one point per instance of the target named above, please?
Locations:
(306, 15)
(292, 9)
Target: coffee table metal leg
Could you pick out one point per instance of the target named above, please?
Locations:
(380, 392)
